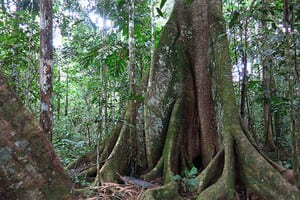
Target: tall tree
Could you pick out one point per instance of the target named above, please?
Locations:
(46, 64)
(189, 105)
(189, 109)
(266, 64)
(132, 88)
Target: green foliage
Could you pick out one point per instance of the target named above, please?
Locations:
(19, 49)
(68, 143)
(189, 181)
(96, 64)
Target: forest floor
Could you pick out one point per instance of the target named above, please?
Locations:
(114, 191)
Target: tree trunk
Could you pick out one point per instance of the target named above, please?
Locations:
(29, 168)
(59, 82)
(46, 62)
(67, 92)
(245, 71)
(266, 62)
(189, 107)
(132, 90)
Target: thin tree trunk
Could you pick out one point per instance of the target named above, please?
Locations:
(46, 62)
(58, 81)
(150, 160)
(67, 92)
(269, 143)
(245, 71)
(99, 125)
(132, 89)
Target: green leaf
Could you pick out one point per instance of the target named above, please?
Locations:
(186, 173)
(193, 171)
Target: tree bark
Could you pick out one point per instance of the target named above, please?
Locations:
(185, 115)
(266, 62)
(29, 168)
(132, 89)
(46, 64)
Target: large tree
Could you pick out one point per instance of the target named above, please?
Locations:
(29, 168)
(189, 117)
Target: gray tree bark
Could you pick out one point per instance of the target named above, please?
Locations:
(29, 168)
(46, 64)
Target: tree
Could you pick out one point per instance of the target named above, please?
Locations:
(132, 88)
(266, 63)
(190, 117)
(29, 168)
(46, 63)
(189, 107)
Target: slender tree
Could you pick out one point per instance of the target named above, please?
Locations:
(132, 89)
(46, 64)
(266, 63)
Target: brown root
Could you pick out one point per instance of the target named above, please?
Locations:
(155, 172)
(88, 160)
(212, 172)
(90, 172)
(83, 161)
(224, 188)
(218, 190)
(116, 162)
(259, 175)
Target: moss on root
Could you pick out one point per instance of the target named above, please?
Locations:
(155, 172)
(169, 191)
(118, 159)
(170, 151)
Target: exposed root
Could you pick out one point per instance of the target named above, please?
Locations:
(260, 176)
(170, 154)
(155, 172)
(218, 190)
(110, 142)
(83, 162)
(87, 161)
(169, 191)
(224, 188)
(92, 171)
(117, 160)
(212, 172)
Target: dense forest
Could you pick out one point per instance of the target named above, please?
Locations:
(149, 99)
